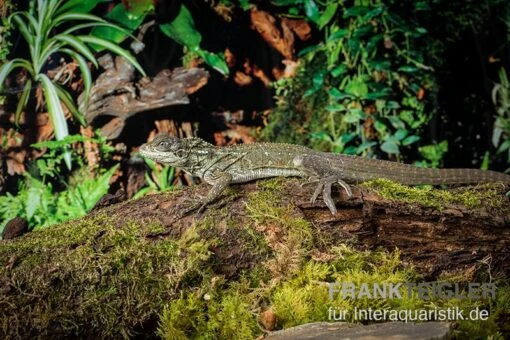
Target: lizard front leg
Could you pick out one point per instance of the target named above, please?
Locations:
(320, 168)
(220, 182)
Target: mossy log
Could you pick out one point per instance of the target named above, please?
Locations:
(113, 272)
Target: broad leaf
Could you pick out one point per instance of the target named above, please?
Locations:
(125, 18)
(390, 147)
(182, 30)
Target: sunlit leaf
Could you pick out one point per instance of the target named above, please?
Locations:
(327, 15)
(311, 10)
(78, 45)
(215, 61)
(66, 98)
(125, 18)
(56, 113)
(85, 73)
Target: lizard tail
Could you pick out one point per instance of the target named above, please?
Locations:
(363, 169)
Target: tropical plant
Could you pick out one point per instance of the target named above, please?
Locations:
(364, 86)
(181, 29)
(45, 197)
(159, 179)
(43, 27)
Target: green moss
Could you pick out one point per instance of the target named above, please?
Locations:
(488, 195)
(91, 272)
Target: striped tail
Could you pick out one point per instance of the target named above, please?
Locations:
(362, 169)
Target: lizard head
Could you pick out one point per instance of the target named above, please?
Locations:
(171, 150)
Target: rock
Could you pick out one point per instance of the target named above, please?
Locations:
(380, 331)
(15, 228)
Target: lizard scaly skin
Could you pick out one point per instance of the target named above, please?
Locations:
(222, 166)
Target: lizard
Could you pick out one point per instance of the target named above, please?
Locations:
(221, 166)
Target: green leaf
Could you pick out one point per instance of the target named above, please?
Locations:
(23, 100)
(401, 134)
(362, 31)
(373, 42)
(410, 140)
(337, 95)
(78, 45)
(56, 113)
(364, 146)
(380, 127)
(504, 146)
(357, 88)
(182, 30)
(214, 60)
(390, 147)
(9, 66)
(354, 116)
(286, 2)
(24, 30)
(378, 95)
(496, 135)
(339, 70)
(86, 75)
(321, 136)
(126, 18)
(66, 98)
(485, 162)
(318, 78)
(396, 122)
(312, 11)
(335, 107)
(408, 69)
(347, 137)
(327, 15)
(339, 34)
(79, 6)
(114, 48)
(373, 13)
(355, 11)
(380, 65)
(97, 188)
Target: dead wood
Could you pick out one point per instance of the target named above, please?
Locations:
(115, 92)
(453, 238)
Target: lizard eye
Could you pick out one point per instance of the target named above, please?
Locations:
(162, 144)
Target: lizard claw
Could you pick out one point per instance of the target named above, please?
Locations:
(324, 186)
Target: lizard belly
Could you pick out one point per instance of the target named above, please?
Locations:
(243, 176)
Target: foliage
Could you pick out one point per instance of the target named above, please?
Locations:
(5, 30)
(39, 199)
(365, 83)
(159, 179)
(39, 27)
(181, 29)
(501, 99)
(432, 154)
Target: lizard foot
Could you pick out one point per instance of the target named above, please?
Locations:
(197, 205)
(324, 186)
